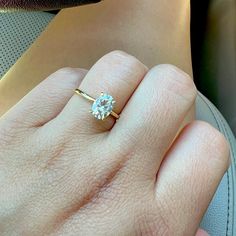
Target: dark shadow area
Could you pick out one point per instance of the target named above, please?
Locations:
(54, 11)
(199, 12)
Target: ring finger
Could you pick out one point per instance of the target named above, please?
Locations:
(117, 74)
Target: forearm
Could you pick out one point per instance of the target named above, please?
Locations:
(156, 33)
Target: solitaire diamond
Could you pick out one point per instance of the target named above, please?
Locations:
(103, 106)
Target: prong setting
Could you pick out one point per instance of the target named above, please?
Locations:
(103, 106)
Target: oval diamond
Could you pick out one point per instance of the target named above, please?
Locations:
(103, 106)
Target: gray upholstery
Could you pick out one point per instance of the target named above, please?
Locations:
(220, 216)
(17, 32)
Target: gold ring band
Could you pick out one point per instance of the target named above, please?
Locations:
(102, 107)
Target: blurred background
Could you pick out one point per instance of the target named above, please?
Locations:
(213, 29)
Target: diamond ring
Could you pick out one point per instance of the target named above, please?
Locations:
(102, 107)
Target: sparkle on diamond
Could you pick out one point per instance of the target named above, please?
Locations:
(103, 106)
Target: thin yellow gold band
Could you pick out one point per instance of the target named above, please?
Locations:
(85, 95)
(91, 99)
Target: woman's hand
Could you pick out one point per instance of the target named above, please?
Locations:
(62, 172)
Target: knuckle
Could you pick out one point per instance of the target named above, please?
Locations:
(215, 142)
(209, 132)
(71, 72)
(118, 52)
(176, 81)
(126, 60)
(64, 78)
(65, 70)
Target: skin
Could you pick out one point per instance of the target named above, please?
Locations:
(65, 173)
(156, 33)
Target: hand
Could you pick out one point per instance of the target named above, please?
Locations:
(62, 172)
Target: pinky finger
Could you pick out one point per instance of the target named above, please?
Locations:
(190, 174)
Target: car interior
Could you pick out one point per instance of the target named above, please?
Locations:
(213, 25)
